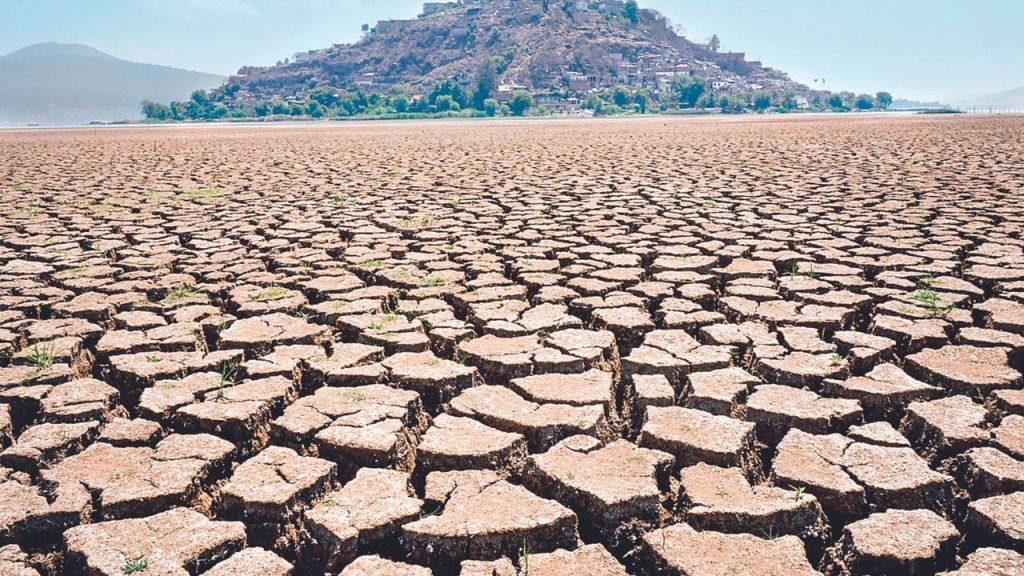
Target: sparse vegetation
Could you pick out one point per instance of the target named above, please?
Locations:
(268, 294)
(42, 356)
(135, 565)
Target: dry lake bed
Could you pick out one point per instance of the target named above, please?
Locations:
(705, 347)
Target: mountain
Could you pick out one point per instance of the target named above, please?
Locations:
(544, 45)
(1006, 99)
(55, 84)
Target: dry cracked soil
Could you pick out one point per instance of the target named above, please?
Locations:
(657, 347)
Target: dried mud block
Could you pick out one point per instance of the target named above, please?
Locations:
(456, 443)
(159, 401)
(252, 562)
(481, 517)
(1009, 436)
(814, 463)
(137, 371)
(590, 559)
(346, 366)
(240, 413)
(1004, 402)
(377, 566)
(503, 567)
(996, 521)
(912, 336)
(943, 428)
(543, 425)
(14, 562)
(43, 445)
(615, 489)
(28, 517)
(800, 369)
(722, 500)
(627, 323)
(260, 335)
(777, 409)
(175, 543)
(269, 490)
(883, 393)
(566, 351)
(719, 391)
(131, 482)
(375, 426)
(123, 432)
(435, 379)
(693, 436)
(284, 361)
(897, 478)
(965, 370)
(364, 515)
(895, 542)
(990, 562)
(670, 551)
(879, 434)
(987, 472)
(674, 354)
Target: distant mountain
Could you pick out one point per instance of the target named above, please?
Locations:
(1007, 99)
(543, 46)
(54, 84)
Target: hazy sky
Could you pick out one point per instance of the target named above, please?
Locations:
(914, 48)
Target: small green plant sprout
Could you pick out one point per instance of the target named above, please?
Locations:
(449, 247)
(770, 533)
(277, 187)
(376, 325)
(935, 305)
(176, 295)
(339, 198)
(794, 270)
(268, 294)
(798, 493)
(41, 356)
(524, 558)
(454, 203)
(135, 565)
(32, 210)
(21, 187)
(835, 359)
(227, 375)
(710, 204)
(154, 358)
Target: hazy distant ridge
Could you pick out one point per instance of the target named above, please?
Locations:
(75, 84)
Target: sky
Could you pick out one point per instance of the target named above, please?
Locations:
(925, 50)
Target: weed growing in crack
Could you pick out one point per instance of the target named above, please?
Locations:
(932, 302)
(798, 493)
(835, 359)
(175, 295)
(524, 558)
(135, 565)
(41, 356)
(227, 374)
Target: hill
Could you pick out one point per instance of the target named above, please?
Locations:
(552, 49)
(54, 84)
(1006, 99)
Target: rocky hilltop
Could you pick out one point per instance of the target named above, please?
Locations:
(545, 46)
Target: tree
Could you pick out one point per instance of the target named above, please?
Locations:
(643, 99)
(835, 102)
(400, 103)
(316, 109)
(865, 102)
(521, 102)
(688, 89)
(486, 82)
(621, 96)
(714, 44)
(445, 103)
(491, 107)
(884, 99)
(631, 12)
(154, 111)
(762, 101)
